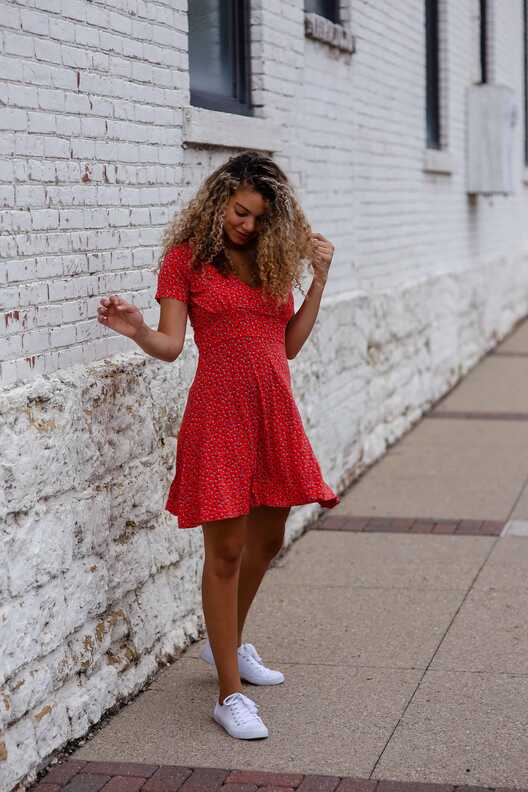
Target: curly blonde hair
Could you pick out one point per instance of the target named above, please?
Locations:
(285, 238)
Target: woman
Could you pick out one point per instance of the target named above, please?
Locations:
(242, 457)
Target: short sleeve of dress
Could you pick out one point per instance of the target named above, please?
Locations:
(174, 275)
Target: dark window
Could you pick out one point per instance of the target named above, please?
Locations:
(525, 53)
(219, 55)
(325, 8)
(432, 73)
(484, 41)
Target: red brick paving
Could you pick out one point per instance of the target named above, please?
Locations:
(291, 780)
(205, 779)
(319, 783)
(124, 784)
(508, 354)
(408, 525)
(119, 768)
(75, 776)
(275, 789)
(356, 785)
(244, 788)
(477, 416)
(168, 779)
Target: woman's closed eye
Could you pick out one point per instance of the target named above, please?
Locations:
(258, 220)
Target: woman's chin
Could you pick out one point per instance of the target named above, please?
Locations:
(238, 241)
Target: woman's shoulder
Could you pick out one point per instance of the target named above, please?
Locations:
(181, 250)
(178, 257)
(174, 276)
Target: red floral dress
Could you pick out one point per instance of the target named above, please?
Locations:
(241, 441)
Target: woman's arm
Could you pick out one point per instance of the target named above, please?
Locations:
(300, 325)
(165, 343)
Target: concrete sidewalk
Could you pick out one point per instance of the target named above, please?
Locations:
(405, 653)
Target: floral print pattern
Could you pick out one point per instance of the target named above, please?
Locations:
(241, 441)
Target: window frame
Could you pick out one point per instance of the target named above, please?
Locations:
(335, 15)
(240, 103)
(484, 26)
(525, 79)
(432, 75)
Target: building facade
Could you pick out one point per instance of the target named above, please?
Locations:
(403, 127)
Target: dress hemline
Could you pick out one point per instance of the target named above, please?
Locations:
(327, 503)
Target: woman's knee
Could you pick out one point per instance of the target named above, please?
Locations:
(224, 547)
(225, 560)
(269, 547)
(264, 545)
(266, 528)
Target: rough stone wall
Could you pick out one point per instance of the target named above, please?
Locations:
(97, 584)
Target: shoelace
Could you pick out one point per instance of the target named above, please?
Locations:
(244, 709)
(251, 653)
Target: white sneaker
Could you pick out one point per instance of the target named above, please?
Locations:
(250, 665)
(252, 669)
(238, 715)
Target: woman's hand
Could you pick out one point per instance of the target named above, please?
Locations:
(119, 315)
(323, 250)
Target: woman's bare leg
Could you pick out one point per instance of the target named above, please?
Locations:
(223, 542)
(265, 537)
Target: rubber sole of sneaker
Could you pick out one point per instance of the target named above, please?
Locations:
(249, 681)
(261, 684)
(238, 736)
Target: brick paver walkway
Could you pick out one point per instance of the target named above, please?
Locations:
(75, 776)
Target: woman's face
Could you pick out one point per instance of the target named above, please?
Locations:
(242, 219)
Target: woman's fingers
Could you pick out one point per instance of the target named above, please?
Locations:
(119, 315)
(113, 302)
(109, 304)
(113, 299)
(121, 305)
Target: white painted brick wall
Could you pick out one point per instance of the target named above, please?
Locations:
(97, 587)
(91, 113)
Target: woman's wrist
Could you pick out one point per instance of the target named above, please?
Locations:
(318, 283)
(141, 334)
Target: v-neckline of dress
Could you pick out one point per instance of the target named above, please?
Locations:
(253, 288)
(234, 277)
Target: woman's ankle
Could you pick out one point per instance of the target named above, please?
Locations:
(222, 696)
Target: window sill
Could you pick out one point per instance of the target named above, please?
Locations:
(321, 29)
(438, 161)
(229, 130)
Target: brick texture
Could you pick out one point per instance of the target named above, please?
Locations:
(409, 526)
(87, 183)
(132, 776)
